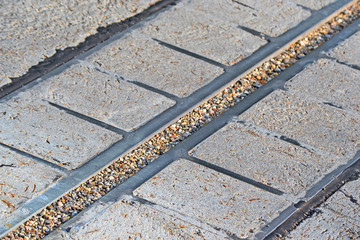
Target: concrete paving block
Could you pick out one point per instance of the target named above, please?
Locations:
(337, 218)
(315, 5)
(137, 57)
(21, 180)
(204, 33)
(32, 125)
(104, 97)
(33, 30)
(231, 206)
(271, 161)
(130, 219)
(347, 51)
(327, 129)
(4, 80)
(329, 82)
(272, 17)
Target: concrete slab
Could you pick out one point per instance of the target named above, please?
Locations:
(329, 82)
(337, 218)
(328, 129)
(4, 80)
(272, 17)
(104, 97)
(130, 219)
(32, 125)
(137, 57)
(204, 33)
(231, 206)
(346, 51)
(271, 161)
(21, 180)
(32, 30)
(315, 5)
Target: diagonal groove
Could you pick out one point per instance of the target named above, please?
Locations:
(191, 54)
(235, 175)
(256, 33)
(89, 119)
(63, 170)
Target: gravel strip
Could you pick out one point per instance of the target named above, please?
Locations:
(76, 200)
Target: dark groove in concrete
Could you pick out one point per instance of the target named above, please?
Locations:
(235, 175)
(156, 90)
(191, 54)
(63, 170)
(90, 119)
(256, 33)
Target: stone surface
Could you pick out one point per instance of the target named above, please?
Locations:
(129, 219)
(271, 161)
(330, 82)
(347, 51)
(32, 30)
(236, 208)
(327, 129)
(138, 57)
(204, 33)
(104, 97)
(272, 17)
(3, 80)
(315, 5)
(32, 125)
(337, 218)
(18, 183)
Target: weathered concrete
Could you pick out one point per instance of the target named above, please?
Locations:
(138, 57)
(32, 30)
(348, 50)
(235, 207)
(324, 127)
(206, 34)
(32, 125)
(130, 219)
(315, 5)
(337, 218)
(104, 97)
(271, 161)
(329, 82)
(21, 180)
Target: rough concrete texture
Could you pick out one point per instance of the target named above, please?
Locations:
(337, 218)
(4, 81)
(137, 57)
(21, 180)
(324, 127)
(130, 219)
(329, 82)
(272, 17)
(265, 159)
(347, 51)
(32, 30)
(314, 5)
(32, 125)
(232, 206)
(204, 33)
(104, 97)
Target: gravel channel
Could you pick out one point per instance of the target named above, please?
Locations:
(54, 215)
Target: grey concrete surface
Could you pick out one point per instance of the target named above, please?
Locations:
(139, 58)
(347, 51)
(32, 125)
(104, 97)
(130, 219)
(271, 161)
(32, 30)
(222, 202)
(206, 34)
(21, 180)
(337, 218)
(326, 128)
(329, 82)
